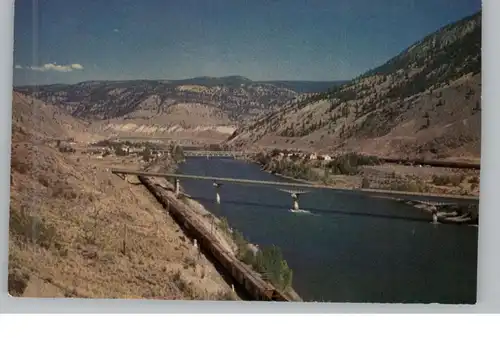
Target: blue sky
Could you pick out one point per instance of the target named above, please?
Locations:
(260, 39)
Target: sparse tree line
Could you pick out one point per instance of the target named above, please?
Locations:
(269, 261)
(345, 164)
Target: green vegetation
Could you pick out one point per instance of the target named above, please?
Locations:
(177, 153)
(146, 154)
(119, 151)
(415, 185)
(365, 183)
(474, 180)
(286, 166)
(269, 262)
(348, 164)
(444, 180)
(294, 169)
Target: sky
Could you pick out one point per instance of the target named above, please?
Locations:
(69, 41)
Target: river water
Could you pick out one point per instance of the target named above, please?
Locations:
(350, 247)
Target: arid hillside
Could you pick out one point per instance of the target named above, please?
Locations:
(156, 108)
(76, 230)
(425, 102)
(33, 119)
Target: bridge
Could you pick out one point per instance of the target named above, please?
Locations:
(215, 153)
(297, 189)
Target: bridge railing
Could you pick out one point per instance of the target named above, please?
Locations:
(296, 186)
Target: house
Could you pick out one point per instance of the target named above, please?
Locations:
(313, 157)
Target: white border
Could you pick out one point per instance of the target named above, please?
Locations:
(489, 233)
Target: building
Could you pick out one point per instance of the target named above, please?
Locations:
(313, 156)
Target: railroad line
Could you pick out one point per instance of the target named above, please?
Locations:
(244, 276)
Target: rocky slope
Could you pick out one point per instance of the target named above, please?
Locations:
(424, 102)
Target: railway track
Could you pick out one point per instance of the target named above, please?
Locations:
(242, 274)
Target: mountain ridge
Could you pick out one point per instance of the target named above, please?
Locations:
(405, 106)
(299, 86)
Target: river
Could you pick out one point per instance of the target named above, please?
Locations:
(351, 247)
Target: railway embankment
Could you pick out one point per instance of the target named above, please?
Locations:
(216, 245)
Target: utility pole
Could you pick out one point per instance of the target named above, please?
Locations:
(124, 238)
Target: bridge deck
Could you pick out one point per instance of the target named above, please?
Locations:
(373, 192)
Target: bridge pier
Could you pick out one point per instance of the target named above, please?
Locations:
(177, 187)
(434, 214)
(295, 199)
(217, 189)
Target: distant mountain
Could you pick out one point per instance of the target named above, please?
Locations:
(423, 102)
(233, 97)
(227, 81)
(201, 102)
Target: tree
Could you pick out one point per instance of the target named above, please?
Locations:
(427, 120)
(326, 175)
(365, 183)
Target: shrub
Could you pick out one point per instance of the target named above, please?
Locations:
(365, 183)
(177, 153)
(474, 180)
(454, 180)
(270, 263)
(223, 224)
(19, 166)
(119, 151)
(326, 176)
(411, 186)
(440, 180)
(348, 164)
(31, 229)
(293, 169)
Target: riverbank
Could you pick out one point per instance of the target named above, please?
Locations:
(229, 239)
(447, 214)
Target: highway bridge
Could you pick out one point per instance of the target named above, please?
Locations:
(216, 153)
(295, 188)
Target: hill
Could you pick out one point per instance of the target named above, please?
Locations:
(33, 119)
(423, 102)
(230, 97)
(207, 106)
(67, 217)
(202, 107)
